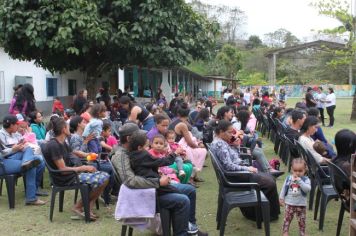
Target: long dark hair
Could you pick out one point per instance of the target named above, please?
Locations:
(127, 100)
(345, 142)
(243, 116)
(26, 95)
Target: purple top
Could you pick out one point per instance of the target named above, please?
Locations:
(153, 132)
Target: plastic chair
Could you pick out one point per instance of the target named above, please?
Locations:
(84, 188)
(10, 180)
(340, 181)
(325, 191)
(232, 195)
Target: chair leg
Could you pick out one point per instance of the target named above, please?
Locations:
(218, 213)
(224, 214)
(97, 204)
(76, 196)
(84, 189)
(323, 204)
(10, 186)
(266, 218)
(53, 200)
(123, 230)
(1, 182)
(130, 231)
(311, 195)
(317, 201)
(61, 200)
(341, 217)
(258, 217)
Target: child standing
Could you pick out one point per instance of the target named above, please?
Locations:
(171, 137)
(95, 126)
(294, 196)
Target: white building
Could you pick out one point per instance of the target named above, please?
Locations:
(47, 85)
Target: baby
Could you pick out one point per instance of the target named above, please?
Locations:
(320, 148)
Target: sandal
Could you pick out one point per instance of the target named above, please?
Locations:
(81, 214)
(197, 179)
(37, 202)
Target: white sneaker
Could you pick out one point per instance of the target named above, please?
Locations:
(192, 228)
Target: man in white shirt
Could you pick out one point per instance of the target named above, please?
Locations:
(330, 104)
(227, 94)
(321, 105)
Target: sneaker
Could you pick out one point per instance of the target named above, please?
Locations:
(181, 173)
(192, 228)
(29, 164)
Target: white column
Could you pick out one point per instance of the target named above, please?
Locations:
(165, 86)
(121, 79)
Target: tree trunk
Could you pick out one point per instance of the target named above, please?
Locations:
(353, 113)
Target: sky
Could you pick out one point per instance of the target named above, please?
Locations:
(265, 16)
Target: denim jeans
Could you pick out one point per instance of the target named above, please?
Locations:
(112, 185)
(260, 157)
(33, 176)
(148, 124)
(183, 207)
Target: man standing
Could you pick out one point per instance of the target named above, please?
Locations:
(321, 105)
(309, 98)
(20, 159)
(181, 204)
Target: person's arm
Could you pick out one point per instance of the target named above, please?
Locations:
(134, 113)
(105, 146)
(77, 143)
(223, 155)
(320, 135)
(148, 161)
(121, 164)
(62, 166)
(304, 185)
(183, 129)
(307, 143)
(282, 194)
(12, 106)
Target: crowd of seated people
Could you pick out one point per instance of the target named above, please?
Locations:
(166, 143)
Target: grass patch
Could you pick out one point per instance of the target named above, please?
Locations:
(30, 220)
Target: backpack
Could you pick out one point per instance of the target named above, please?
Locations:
(274, 163)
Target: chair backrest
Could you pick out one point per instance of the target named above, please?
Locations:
(281, 129)
(116, 174)
(341, 182)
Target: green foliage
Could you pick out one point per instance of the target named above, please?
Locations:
(254, 41)
(230, 59)
(89, 35)
(255, 78)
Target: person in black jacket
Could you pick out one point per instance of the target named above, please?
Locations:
(143, 164)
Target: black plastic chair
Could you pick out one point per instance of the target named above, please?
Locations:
(232, 195)
(340, 181)
(10, 180)
(325, 190)
(83, 188)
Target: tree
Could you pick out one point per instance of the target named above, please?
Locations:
(230, 59)
(253, 41)
(230, 19)
(281, 38)
(341, 11)
(93, 36)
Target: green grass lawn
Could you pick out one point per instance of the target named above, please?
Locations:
(30, 220)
